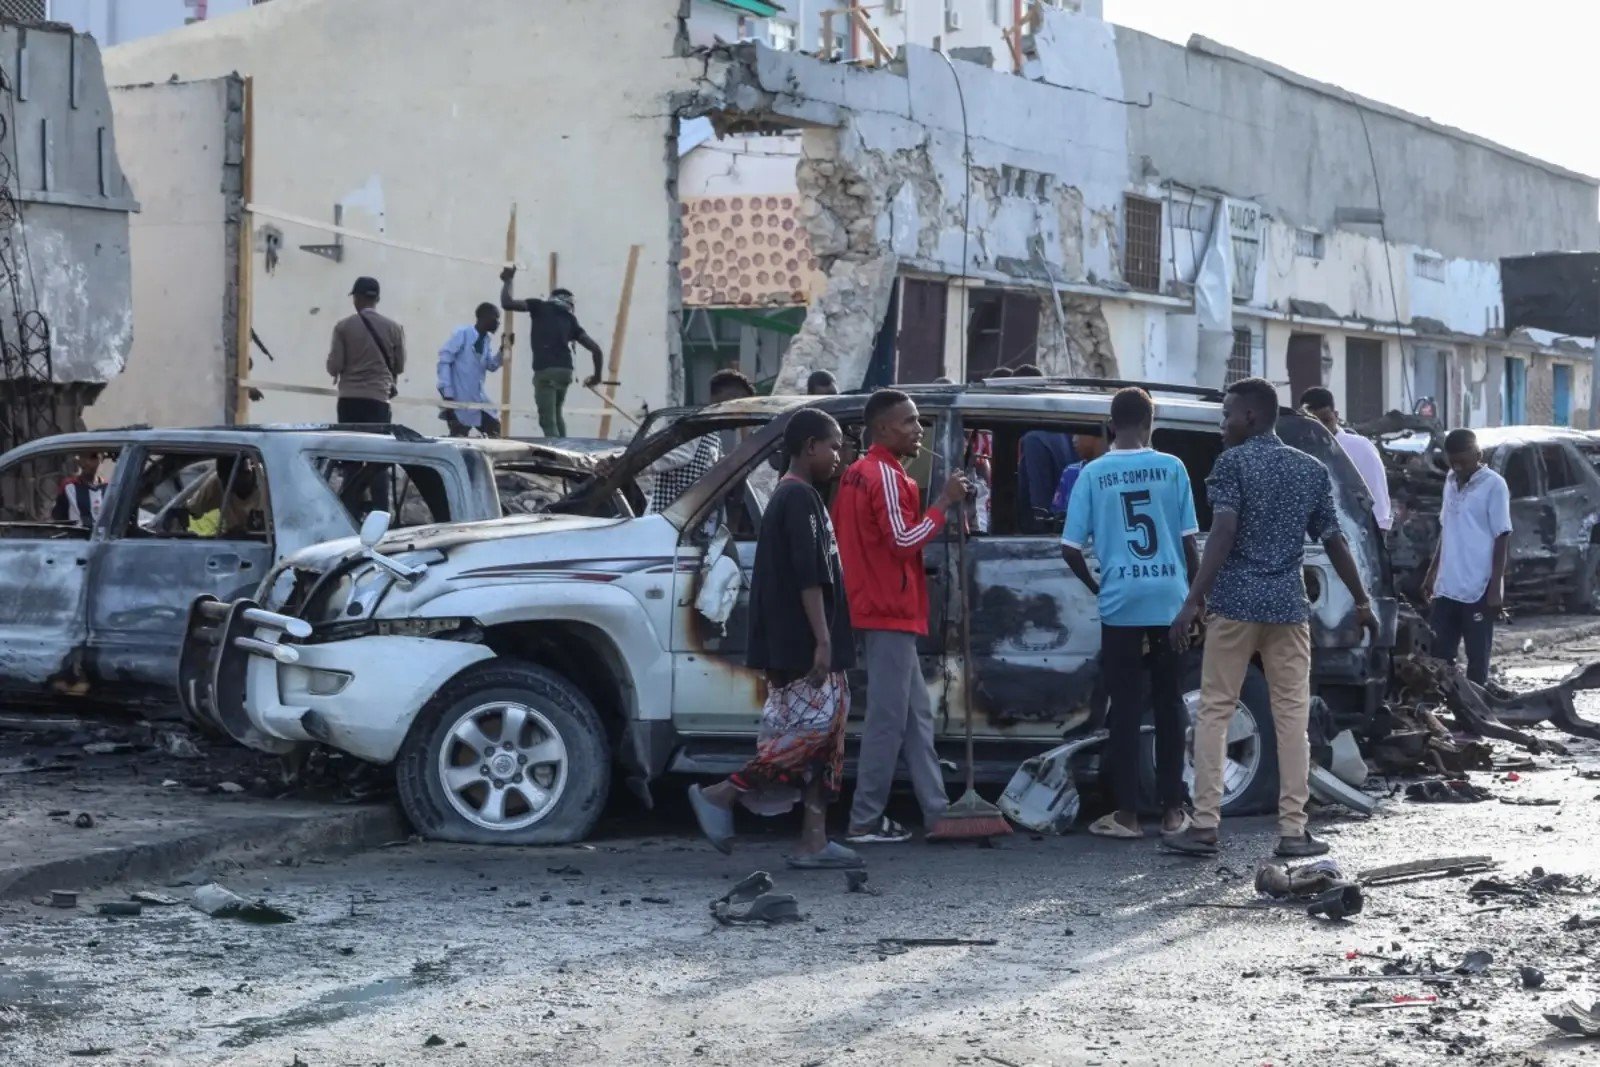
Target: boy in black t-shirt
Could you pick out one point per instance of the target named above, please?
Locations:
(800, 636)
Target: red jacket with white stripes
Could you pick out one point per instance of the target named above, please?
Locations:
(881, 530)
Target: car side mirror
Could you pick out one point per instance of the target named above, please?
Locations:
(373, 528)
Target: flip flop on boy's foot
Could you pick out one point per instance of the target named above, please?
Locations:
(834, 857)
(883, 832)
(1188, 842)
(1109, 826)
(716, 823)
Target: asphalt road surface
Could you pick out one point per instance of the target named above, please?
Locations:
(440, 954)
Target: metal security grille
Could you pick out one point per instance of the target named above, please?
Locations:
(1239, 362)
(23, 10)
(1141, 241)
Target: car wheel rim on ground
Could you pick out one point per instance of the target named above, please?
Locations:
(503, 766)
(1244, 748)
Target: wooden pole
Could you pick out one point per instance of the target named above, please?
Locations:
(553, 283)
(618, 334)
(508, 336)
(242, 305)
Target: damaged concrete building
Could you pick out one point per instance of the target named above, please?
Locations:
(1137, 208)
(66, 317)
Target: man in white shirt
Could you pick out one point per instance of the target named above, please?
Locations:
(1466, 580)
(1318, 403)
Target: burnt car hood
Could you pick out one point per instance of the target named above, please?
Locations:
(443, 537)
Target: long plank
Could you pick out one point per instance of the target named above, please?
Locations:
(618, 334)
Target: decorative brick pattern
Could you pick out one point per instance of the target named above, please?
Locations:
(746, 251)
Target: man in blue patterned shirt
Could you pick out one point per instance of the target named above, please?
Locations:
(1266, 498)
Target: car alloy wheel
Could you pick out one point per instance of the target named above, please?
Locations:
(502, 766)
(1243, 760)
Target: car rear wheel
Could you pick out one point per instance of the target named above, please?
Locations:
(1250, 773)
(505, 753)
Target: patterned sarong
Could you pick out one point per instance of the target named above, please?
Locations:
(802, 734)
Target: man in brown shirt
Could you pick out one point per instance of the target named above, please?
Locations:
(366, 358)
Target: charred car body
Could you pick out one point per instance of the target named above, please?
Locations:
(1553, 474)
(505, 667)
(101, 558)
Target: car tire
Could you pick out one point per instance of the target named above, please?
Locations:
(547, 788)
(1251, 779)
(1585, 599)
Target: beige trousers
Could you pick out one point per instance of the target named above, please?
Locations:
(1285, 650)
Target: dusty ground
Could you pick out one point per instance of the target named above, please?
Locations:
(452, 955)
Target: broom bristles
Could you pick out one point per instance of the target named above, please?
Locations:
(969, 818)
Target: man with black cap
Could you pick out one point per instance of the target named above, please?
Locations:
(552, 331)
(366, 358)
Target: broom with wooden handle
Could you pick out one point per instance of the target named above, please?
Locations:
(971, 817)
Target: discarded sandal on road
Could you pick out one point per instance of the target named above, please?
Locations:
(768, 908)
(1108, 826)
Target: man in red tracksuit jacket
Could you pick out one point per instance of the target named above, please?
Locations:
(877, 517)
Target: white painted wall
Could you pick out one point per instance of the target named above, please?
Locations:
(428, 126)
(173, 145)
(740, 165)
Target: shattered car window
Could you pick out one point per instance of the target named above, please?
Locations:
(185, 496)
(1521, 472)
(1558, 471)
(413, 493)
(55, 494)
(528, 492)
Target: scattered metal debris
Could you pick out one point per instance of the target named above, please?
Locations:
(1574, 1018)
(1043, 795)
(856, 882)
(1447, 791)
(1475, 962)
(160, 900)
(220, 903)
(899, 946)
(1445, 867)
(84, 821)
(63, 898)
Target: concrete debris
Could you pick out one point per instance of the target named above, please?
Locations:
(160, 900)
(220, 903)
(120, 908)
(1574, 1018)
(84, 821)
(1475, 962)
(1532, 977)
(63, 898)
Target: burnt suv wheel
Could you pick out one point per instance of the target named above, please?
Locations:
(1250, 773)
(505, 753)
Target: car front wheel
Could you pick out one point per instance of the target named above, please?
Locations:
(505, 753)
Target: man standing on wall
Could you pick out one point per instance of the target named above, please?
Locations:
(1136, 506)
(464, 361)
(1318, 403)
(1467, 578)
(1266, 498)
(366, 359)
(878, 515)
(552, 331)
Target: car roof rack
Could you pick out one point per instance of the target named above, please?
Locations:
(1204, 392)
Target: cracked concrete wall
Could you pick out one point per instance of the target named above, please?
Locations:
(889, 157)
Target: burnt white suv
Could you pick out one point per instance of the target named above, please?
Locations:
(507, 668)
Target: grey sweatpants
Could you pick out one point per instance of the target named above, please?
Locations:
(899, 722)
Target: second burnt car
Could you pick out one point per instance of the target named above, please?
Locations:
(1553, 474)
(506, 669)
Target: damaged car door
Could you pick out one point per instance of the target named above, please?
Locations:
(47, 544)
(190, 522)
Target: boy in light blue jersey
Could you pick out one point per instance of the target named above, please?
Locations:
(1135, 506)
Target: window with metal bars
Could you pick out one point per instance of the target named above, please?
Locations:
(23, 10)
(1141, 242)
(1239, 360)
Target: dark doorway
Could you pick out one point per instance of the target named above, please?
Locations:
(1002, 331)
(1363, 379)
(920, 344)
(1305, 363)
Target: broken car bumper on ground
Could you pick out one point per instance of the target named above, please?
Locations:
(239, 676)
